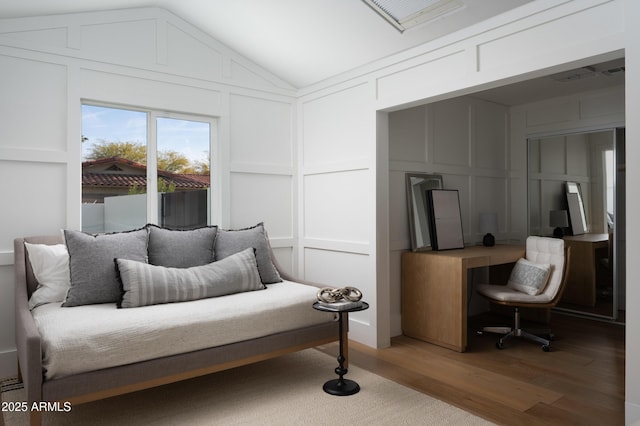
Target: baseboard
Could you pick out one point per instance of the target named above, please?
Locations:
(8, 364)
(632, 414)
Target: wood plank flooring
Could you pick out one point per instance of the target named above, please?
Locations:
(580, 382)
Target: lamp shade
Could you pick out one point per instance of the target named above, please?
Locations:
(488, 223)
(558, 218)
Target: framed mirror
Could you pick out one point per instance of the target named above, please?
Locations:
(417, 185)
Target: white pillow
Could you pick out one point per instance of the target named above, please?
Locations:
(529, 277)
(50, 264)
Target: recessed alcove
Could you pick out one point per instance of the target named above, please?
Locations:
(478, 143)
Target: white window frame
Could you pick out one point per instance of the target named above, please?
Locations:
(152, 148)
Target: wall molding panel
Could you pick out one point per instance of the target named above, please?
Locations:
(161, 40)
(145, 58)
(339, 170)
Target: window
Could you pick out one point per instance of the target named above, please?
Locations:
(404, 14)
(143, 167)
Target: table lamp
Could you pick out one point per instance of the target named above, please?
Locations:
(488, 225)
(559, 220)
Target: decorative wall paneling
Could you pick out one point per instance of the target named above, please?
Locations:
(336, 195)
(475, 58)
(536, 39)
(141, 58)
(501, 51)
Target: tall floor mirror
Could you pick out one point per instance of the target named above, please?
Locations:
(576, 191)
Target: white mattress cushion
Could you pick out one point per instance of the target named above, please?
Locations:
(84, 338)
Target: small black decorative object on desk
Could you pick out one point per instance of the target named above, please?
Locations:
(340, 300)
(488, 226)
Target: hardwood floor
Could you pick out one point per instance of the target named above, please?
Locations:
(580, 382)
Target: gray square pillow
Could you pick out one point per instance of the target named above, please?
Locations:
(229, 242)
(92, 271)
(181, 248)
(145, 284)
(529, 277)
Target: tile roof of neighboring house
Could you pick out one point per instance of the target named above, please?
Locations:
(200, 178)
(120, 179)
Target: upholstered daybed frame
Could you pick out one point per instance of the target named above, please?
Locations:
(104, 383)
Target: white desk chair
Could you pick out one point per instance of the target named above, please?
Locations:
(541, 253)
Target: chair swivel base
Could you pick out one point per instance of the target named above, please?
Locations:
(517, 331)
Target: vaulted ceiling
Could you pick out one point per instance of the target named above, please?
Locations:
(307, 41)
(301, 41)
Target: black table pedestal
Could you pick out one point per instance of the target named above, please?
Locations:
(341, 386)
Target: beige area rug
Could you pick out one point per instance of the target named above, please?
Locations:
(281, 391)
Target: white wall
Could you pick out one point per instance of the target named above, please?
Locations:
(151, 58)
(336, 197)
(537, 39)
(632, 112)
(139, 57)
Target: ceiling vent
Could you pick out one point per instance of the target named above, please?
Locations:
(613, 71)
(405, 14)
(608, 69)
(573, 75)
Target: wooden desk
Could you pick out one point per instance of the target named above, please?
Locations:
(581, 282)
(434, 291)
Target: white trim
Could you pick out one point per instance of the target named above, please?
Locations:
(6, 258)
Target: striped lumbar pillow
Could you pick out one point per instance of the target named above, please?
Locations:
(144, 284)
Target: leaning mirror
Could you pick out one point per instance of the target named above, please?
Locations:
(577, 216)
(417, 186)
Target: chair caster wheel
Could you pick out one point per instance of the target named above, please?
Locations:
(499, 345)
(546, 348)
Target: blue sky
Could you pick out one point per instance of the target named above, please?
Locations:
(191, 138)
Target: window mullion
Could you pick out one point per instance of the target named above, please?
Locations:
(152, 169)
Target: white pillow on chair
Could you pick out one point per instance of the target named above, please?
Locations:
(529, 277)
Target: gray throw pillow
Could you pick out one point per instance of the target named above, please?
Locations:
(229, 242)
(146, 284)
(93, 274)
(181, 249)
(529, 277)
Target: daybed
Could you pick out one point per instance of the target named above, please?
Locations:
(83, 348)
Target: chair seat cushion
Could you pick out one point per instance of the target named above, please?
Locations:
(504, 293)
(529, 277)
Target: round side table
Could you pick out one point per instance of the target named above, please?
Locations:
(341, 386)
